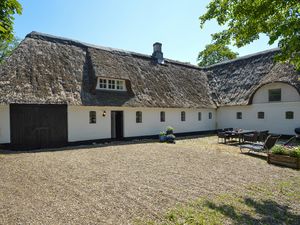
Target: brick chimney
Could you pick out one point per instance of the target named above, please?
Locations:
(157, 54)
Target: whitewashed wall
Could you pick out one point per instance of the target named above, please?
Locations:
(4, 124)
(151, 124)
(274, 120)
(288, 93)
(79, 128)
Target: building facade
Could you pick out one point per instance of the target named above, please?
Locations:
(56, 91)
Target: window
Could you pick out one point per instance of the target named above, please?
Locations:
(138, 117)
(239, 115)
(93, 117)
(210, 115)
(275, 95)
(111, 84)
(182, 116)
(120, 84)
(289, 115)
(261, 115)
(199, 116)
(102, 83)
(162, 116)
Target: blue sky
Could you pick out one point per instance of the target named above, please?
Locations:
(132, 25)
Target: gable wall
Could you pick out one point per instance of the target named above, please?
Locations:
(288, 93)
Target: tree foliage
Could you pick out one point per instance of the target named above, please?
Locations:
(214, 53)
(247, 19)
(7, 47)
(8, 8)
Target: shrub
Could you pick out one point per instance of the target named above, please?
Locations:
(279, 150)
(169, 128)
(162, 133)
(282, 150)
(295, 152)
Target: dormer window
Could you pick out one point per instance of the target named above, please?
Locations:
(102, 83)
(111, 84)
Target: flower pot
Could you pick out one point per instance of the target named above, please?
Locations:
(169, 132)
(162, 138)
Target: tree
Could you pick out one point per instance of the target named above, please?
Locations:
(7, 47)
(247, 19)
(8, 8)
(214, 53)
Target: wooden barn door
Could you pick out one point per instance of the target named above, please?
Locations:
(38, 126)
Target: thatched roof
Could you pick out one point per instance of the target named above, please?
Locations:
(234, 82)
(51, 70)
(47, 69)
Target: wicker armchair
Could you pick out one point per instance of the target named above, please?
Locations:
(223, 135)
(252, 138)
(262, 136)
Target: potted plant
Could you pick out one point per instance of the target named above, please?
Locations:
(285, 156)
(170, 130)
(162, 136)
(170, 138)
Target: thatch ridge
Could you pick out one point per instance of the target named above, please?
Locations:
(245, 57)
(68, 41)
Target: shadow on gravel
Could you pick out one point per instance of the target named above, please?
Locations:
(96, 144)
(266, 212)
(78, 147)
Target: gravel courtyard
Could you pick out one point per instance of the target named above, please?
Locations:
(118, 184)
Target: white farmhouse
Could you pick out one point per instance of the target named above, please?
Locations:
(55, 91)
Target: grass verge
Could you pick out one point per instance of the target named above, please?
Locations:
(276, 203)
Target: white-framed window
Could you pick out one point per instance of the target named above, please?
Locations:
(162, 116)
(93, 117)
(120, 84)
(275, 95)
(289, 115)
(183, 116)
(261, 115)
(102, 83)
(111, 84)
(239, 115)
(138, 117)
(210, 115)
(199, 116)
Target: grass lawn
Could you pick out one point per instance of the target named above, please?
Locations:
(195, 181)
(276, 203)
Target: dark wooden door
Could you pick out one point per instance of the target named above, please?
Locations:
(117, 124)
(38, 126)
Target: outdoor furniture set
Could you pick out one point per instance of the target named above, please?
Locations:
(241, 135)
(257, 141)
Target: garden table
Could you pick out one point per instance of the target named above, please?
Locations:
(239, 133)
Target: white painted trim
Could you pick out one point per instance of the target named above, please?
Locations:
(109, 89)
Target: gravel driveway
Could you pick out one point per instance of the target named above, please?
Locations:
(117, 184)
